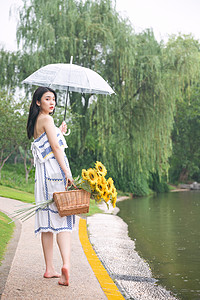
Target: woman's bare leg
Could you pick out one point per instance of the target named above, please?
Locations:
(47, 245)
(64, 244)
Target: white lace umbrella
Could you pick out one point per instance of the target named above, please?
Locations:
(69, 77)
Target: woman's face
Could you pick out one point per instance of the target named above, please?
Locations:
(47, 103)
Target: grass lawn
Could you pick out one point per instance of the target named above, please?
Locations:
(8, 192)
(6, 231)
(94, 209)
(172, 187)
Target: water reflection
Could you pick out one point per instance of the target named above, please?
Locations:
(167, 232)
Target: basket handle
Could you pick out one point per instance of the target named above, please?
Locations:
(67, 186)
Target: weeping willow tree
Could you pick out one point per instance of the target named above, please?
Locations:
(9, 62)
(135, 128)
(130, 131)
(65, 28)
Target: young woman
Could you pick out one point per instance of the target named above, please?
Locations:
(52, 174)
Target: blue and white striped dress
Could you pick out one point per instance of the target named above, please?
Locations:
(49, 178)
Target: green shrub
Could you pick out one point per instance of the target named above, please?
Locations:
(158, 185)
(140, 186)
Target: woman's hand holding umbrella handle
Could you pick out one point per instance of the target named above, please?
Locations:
(63, 129)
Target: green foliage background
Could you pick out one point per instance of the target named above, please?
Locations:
(133, 132)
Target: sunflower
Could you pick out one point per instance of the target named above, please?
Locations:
(100, 188)
(114, 195)
(110, 184)
(106, 195)
(102, 180)
(92, 176)
(98, 197)
(98, 174)
(100, 168)
(114, 201)
(84, 174)
(113, 190)
(92, 187)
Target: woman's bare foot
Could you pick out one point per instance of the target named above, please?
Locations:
(51, 274)
(64, 279)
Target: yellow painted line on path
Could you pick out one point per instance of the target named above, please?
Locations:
(108, 286)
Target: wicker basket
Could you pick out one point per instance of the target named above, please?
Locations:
(72, 202)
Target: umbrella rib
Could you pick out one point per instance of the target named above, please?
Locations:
(56, 72)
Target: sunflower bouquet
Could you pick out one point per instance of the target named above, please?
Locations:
(94, 181)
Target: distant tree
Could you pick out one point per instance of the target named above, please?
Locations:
(9, 128)
(185, 161)
(25, 143)
(28, 160)
(9, 73)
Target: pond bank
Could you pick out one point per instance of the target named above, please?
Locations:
(109, 236)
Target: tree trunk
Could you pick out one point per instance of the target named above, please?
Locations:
(15, 159)
(183, 175)
(27, 171)
(3, 161)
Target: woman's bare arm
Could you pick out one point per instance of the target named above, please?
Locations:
(49, 127)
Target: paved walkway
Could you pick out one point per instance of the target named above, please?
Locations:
(23, 267)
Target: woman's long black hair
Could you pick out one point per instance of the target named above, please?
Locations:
(35, 109)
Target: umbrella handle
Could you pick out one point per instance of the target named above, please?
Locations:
(67, 133)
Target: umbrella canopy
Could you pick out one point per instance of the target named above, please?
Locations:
(70, 77)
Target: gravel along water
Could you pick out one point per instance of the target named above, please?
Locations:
(109, 236)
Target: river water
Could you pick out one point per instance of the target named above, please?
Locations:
(166, 229)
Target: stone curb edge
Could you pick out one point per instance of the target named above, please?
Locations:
(108, 286)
